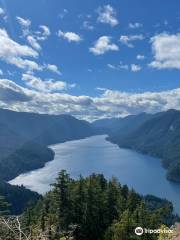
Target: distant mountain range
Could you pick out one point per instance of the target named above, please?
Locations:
(154, 134)
(24, 140)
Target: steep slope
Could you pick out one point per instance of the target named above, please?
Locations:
(121, 125)
(158, 136)
(19, 198)
(44, 128)
(24, 138)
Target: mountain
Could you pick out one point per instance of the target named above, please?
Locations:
(18, 197)
(123, 125)
(157, 135)
(24, 138)
(43, 128)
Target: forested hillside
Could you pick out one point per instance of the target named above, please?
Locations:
(24, 138)
(91, 208)
(157, 135)
(18, 197)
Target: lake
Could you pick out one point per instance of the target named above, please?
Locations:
(94, 154)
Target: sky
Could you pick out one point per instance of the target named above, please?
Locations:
(91, 59)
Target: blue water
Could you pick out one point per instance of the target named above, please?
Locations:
(94, 154)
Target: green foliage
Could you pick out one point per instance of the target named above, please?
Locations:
(94, 208)
(165, 236)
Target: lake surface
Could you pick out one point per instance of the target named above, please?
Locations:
(94, 154)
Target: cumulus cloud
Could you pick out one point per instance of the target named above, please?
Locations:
(107, 14)
(135, 25)
(49, 85)
(117, 103)
(11, 92)
(108, 104)
(135, 68)
(53, 68)
(33, 42)
(14, 53)
(70, 36)
(103, 45)
(127, 40)
(166, 50)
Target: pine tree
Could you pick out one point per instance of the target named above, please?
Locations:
(80, 202)
(133, 200)
(62, 199)
(113, 200)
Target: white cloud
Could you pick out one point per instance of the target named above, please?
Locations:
(107, 14)
(12, 52)
(45, 32)
(135, 25)
(127, 40)
(53, 68)
(166, 50)
(1, 72)
(118, 67)
(10, 92)
(2, 11)
(103, 45)
(116, 103)
(33, 37)
(25, 24)
(70, 36)
(112, 66)
(49, 85)
(87, 25)
(135, 68)
(33, 42)
(140, 57)
(108, 104)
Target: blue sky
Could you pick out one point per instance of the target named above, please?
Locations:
(92, 59)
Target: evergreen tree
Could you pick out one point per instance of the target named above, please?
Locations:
(93, 208)
(62, 199)
(114, 200)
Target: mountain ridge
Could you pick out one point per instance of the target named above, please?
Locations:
(24, 139)
(153, 134)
